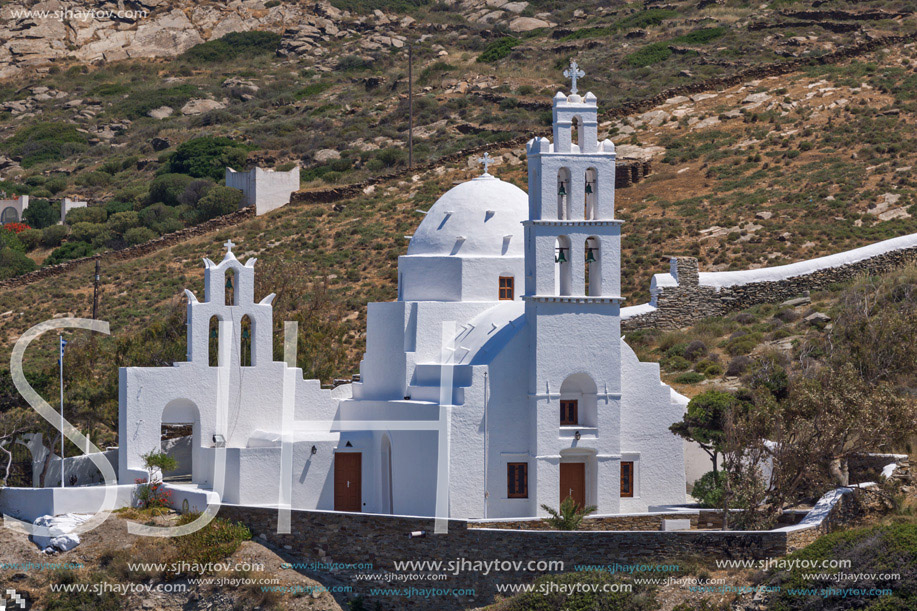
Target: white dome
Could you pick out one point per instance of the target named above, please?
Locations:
(474, 219)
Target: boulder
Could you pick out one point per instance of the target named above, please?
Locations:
(525, 24)
(325, 155)
(197, 107)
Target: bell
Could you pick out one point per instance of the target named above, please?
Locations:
(213, 334)
(561, 257)
(588, 188)
(245, 334)
(562, 190)
(590, 256)
(229, 282)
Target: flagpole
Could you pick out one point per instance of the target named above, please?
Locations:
(61, 362)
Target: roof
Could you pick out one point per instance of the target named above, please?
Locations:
(478, 218)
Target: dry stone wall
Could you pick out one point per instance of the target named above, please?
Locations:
(690, 301)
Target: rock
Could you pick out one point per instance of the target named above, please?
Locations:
(197, 107)
(756, 98)
(515, 7)
(655, 117)
(764, 215)
(161, 113)
(798, 301)
(630, 151)
(159, 144)
(73, 103)
(325, 155)
(679, 99)
(817, 318)
(708, 122)
(238, 82)
(525, 24)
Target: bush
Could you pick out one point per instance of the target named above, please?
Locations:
(168, 188)
(738, 366)
(207, 157)
(569, 515)
(70, 250)
(695, 350)
(30, 238)
(43, 142)
(14, 263)
(212, 543)
(88, 232)
(676, 363)
(142, 101)
(234, 45)
(160, 217)
(217, 202)
(391, 156)
(10, 239)
(139, 235)
(120, 222)
(701, 36)
(708, 490)
(787, 315)
(41, 213)
(86, 215)
(498, 49)
(649, 55)
(195, 190)
(742, 344)
(692, 377)
(53, 236)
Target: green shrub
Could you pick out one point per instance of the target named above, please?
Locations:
(708, 490)
(40, 214)
(168, 188)
(142, 101)
(160, 218)
(708, 368)
(312, 89)
(649, 55)
(569, 515)
(30, 238)
(391, 156)
(44, 142)
(139, 235)
(94, 233)
(9, 239)
(116, 206)
(645, 19)
(217, 540)
(217, 202)
(70, 250)
(692, 377)
(53, 236)
(92, 214)
(14, 263)
(93, 179)
(207, 157)
(232, 46)
(676, 363)
(498, 49)
(120, 222)
(702, 36)
(742, 344)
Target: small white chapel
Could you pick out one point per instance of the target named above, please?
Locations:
(497, 382)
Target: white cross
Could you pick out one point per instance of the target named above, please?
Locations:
(573, 73)
(229, 244)
(486, 160)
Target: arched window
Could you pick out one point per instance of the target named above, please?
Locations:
(9, 215)
(578, 401)
(213, 341)
(247, 337)
(591, 194)
(575, 132)
(563, 276)
(593, 273)
(232, 280)
(563, 193)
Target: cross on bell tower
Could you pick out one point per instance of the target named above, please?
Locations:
(573, 73)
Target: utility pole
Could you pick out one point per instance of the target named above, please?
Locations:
(410, 105)
(95, 293)
(61, 343)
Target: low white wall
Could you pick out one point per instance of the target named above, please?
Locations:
(30, 503)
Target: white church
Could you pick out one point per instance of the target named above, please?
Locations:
(497, 382)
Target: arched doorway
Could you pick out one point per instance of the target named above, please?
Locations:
(9, 215)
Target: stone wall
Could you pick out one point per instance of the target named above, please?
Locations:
(637, 521)
(689, 300)
(381, 540)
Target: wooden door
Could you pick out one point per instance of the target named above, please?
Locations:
(573, 482)
(348, 495)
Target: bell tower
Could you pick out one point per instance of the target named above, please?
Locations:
(573, 300)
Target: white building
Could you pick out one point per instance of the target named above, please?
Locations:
(266, 190)
(11, 210)
(497, 382)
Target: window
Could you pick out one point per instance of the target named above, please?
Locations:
(627, 478)
(506, 288)
(517, 480)
(569, 412)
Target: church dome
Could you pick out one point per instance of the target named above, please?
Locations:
(478, 218)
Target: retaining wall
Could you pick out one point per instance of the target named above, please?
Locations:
(685, 296)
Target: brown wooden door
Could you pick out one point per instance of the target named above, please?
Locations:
(348, 494)
(573, 482)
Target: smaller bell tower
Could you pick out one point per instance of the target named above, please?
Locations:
(229, 296)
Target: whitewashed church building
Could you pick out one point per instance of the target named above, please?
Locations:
(498, 381)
